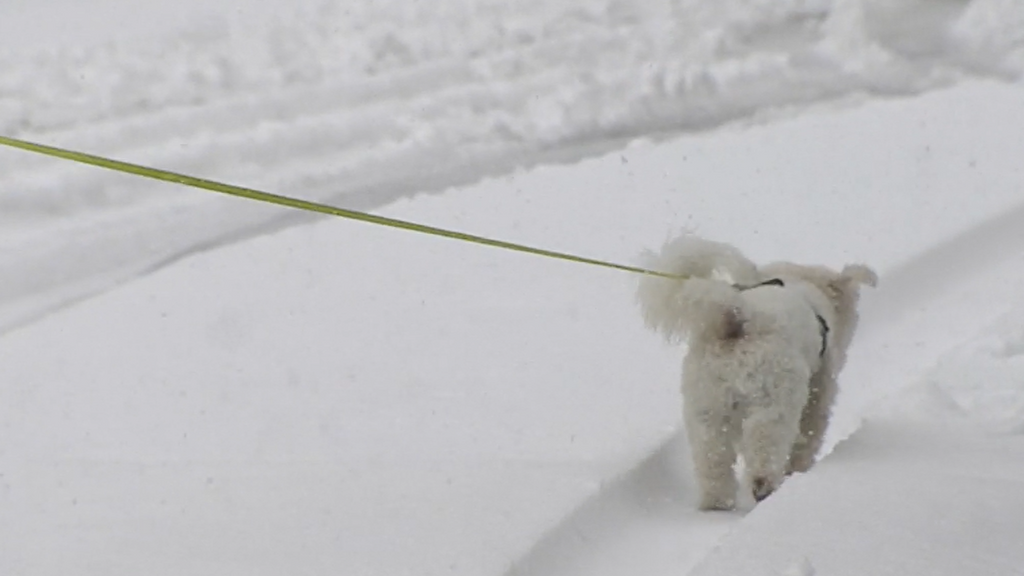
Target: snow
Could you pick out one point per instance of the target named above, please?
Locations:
(365, 102)
(892, 500)
(201, 385)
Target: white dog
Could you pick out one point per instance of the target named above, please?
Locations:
(765, 347)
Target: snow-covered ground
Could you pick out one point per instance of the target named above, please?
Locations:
(332, 397)
(365, 102)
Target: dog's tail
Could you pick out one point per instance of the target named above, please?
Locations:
(702, 303)
(860, 273)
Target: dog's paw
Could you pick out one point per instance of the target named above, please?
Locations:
(717, 502)
(762, 488)
(799, 464)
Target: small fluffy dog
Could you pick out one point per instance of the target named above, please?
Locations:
(765, 347)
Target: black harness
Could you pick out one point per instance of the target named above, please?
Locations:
(822, 324)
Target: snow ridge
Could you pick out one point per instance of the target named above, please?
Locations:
(364, 103)
(358, 87)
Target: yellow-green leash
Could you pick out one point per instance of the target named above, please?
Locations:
(280, 200)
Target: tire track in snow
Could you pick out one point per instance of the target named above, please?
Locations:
(646, 520)
(928, 274)
(911, 285)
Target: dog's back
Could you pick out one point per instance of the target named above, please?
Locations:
(768, 316)
(719, 297)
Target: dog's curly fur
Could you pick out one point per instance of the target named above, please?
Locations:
(759, 378)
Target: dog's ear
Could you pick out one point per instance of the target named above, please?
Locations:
(859, 273)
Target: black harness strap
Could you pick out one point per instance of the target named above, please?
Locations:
(822, 323)
(772, 282)
(823, 326)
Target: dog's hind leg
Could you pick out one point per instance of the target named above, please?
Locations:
(768, 436)
(712, 438)
(813, 421)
